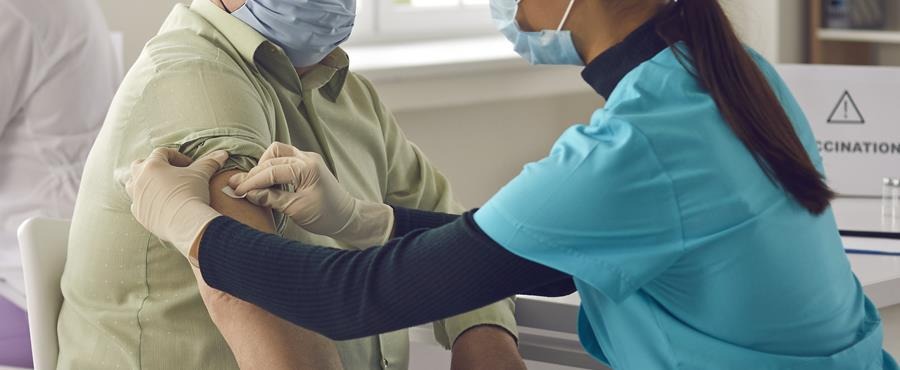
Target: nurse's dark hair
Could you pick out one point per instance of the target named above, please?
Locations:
(724, 67)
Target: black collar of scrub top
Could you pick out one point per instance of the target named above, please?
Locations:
(610, 67)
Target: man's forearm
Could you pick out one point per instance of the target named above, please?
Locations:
(269, 343)
(258, 339)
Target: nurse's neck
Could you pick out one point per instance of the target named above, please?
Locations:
(596, 28)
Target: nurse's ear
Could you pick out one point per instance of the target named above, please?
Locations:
(537, 15)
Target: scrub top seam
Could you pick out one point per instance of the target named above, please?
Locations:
(520, 229)
(550, 195)
(670, 348)
(519, 222)
(665, 172)
(622, 274)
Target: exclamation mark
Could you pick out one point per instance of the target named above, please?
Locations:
(845, 110)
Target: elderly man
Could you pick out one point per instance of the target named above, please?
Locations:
(236, 76)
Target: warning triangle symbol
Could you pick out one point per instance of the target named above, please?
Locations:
(846, 111)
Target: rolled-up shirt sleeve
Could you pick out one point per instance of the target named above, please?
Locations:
(199, 106)
(214, 109)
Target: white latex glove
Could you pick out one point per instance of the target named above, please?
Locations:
(170, 196)
(318, 203)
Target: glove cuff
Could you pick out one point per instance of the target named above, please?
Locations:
(190, 247)
(371, 224)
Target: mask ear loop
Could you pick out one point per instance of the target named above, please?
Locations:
(565, 16)
(225, 6)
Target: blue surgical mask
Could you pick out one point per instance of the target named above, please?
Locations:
(307, 30)
(544, 47)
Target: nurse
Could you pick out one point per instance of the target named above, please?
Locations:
(691, 213)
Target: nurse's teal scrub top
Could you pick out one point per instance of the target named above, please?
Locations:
(685, 254)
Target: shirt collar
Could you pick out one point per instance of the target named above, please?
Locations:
(328, 76)
(243, 37)
(610, 67)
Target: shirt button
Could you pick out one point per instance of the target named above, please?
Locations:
(385, 364)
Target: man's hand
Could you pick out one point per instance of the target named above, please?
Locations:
(486, 347)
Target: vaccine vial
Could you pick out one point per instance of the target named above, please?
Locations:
(887, 211)
(895, 202)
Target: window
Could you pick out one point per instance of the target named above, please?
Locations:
(407, 20)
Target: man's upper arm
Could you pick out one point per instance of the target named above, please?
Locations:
(239, 209)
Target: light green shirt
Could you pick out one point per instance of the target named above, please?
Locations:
(206, 82)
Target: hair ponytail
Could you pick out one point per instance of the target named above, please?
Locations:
(743, 95)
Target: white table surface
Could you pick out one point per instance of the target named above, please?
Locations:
(863, 215)
(879, 275)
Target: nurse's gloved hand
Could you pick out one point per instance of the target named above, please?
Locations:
(170, 196)
(318, 203)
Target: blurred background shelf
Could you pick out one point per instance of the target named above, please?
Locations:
(853, 46)
(871, 36)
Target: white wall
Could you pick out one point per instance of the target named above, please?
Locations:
(481, 147)
(776, 28)
(138, 20)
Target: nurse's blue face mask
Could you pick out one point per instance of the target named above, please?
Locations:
(307, 30)
(544, 47)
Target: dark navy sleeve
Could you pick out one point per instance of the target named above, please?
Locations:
(407, 220)
(423, 276)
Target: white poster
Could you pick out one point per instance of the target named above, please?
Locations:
(855, 115)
